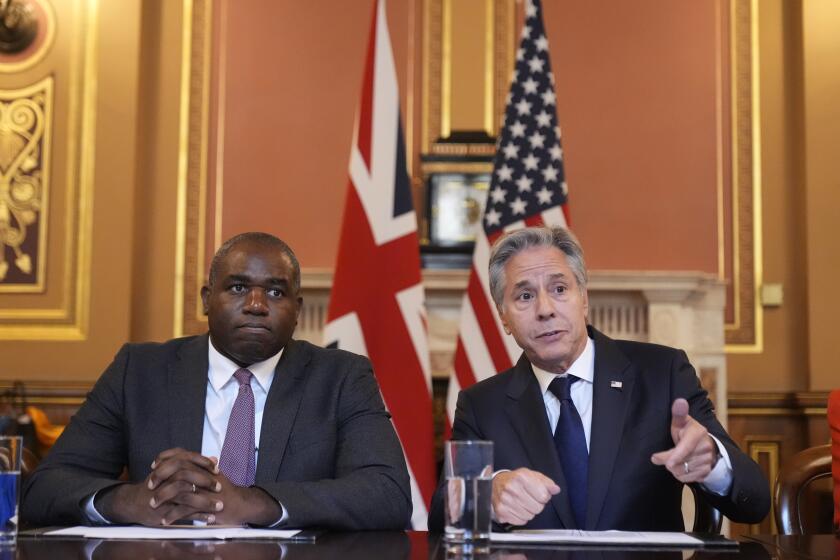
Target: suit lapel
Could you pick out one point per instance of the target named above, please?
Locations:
(609, 407)
(526, 410)
(187, 394)
(281, 407)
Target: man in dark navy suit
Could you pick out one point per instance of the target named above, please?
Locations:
(590, 432)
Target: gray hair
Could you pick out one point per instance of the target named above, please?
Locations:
(255, 237)
(508, 246)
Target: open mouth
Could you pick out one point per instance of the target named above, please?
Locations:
(549, 334)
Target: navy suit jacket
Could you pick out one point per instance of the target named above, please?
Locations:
(328, 450)
(629, 424)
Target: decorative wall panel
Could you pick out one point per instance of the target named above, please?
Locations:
(25, 130)
(47, 139)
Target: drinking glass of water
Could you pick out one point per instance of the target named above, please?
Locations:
(468, 467)
(10, 455)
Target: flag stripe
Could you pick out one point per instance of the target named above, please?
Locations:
(487, 325)
(527, 188)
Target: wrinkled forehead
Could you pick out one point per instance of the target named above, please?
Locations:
(248, 258)
(538, 262)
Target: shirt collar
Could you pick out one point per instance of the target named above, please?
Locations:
(582, 368)
(222, 369)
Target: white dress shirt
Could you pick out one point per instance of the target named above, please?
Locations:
(222, 389)
(719, 479)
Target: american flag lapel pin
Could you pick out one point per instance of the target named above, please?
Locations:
(615, 384)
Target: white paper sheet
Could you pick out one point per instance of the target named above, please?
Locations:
(190, 533)
(572, 536)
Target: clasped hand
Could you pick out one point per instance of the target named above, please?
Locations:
(188, 486)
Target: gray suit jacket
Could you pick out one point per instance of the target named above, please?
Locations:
(328, 451)
(629, 424)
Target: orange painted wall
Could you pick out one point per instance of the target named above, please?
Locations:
(636, 102)
(636, 88)
(294, 72)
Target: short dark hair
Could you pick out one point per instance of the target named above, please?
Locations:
(254, 237)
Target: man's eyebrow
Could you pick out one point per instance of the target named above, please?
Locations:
(245, 278)
(527, 282)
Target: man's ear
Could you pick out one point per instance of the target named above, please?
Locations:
(503, 318)
(585, 295)
(205, 295)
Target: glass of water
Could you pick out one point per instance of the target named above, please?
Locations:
(10, 457)
(468, 467)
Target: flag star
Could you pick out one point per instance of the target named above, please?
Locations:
(530, 9)
(537, 140)
(526, 31)
(518, 206)
(520, 53)
(557, 131)
(556, 152)
(505, 173)
(498, 194)
(509, 98)
(530, 162)
(543, 119)
(523, 107)
(541, 43)
(536, 64)
(524, 183)
(551, 77)
(517, 129)
(548, 97)
(530, 86)
(550, 174)
(511, 150)
(564, 189)
(544, 195)
(492, 217)
(514, 76)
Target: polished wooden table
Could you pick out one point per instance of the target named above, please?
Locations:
(400, 545)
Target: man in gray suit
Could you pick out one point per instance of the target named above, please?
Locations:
(182, 420)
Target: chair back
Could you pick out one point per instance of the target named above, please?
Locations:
(707, 519)
(802, 495)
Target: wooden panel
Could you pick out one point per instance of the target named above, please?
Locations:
(771, 427)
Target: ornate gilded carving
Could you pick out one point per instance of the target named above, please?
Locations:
(24, 148)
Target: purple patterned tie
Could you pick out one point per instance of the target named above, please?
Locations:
(237, 457)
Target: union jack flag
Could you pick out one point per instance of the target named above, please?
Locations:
(376, 307)
(527, 188)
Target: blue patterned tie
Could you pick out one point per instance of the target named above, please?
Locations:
(237, 460)
(570, 441)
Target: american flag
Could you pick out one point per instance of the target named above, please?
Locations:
(527, 188)
(377, 301)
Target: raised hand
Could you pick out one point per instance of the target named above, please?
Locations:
(694, 454)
